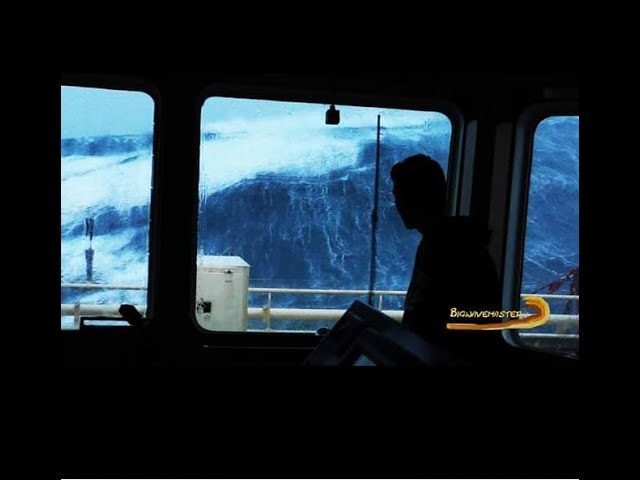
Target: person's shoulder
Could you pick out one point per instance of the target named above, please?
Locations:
(456, 231)
(459, 243)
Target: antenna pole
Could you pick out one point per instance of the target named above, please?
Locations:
(374, 220)
(88, 253)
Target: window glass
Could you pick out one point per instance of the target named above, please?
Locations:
(106, 166)
(285, 211)
(551, 260)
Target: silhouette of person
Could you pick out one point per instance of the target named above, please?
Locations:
(452, 266)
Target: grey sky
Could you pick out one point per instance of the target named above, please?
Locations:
(90, 112)
(97, 111)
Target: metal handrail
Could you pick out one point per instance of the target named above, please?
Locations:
(99, 286)
(267, 312)
(321, 291)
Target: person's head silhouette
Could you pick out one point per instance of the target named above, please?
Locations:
(419, 189)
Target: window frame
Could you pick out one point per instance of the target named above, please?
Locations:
(456, 147)
(518, 197)
(140, 85)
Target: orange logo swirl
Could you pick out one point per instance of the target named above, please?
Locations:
(531, 321)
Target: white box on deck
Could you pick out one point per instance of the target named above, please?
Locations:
(222, 290)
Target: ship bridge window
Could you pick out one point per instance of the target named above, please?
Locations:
(106, 164)
(286, 240)
(551, 260)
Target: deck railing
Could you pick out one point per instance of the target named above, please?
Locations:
(267, 313)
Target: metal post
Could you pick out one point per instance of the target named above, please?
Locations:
(88, 253)
(374, 219)
(76, 315)
(266, 313)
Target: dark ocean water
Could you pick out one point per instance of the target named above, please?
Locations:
(300, 216)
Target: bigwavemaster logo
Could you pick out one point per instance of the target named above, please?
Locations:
(540, 317)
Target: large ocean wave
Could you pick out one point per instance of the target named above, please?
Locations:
(297, 211)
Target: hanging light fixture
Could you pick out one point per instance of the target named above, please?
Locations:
(332, 117)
